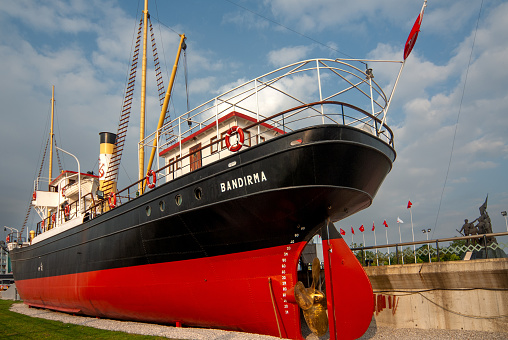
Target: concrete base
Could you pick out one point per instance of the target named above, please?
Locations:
(10, 294)
(469, 295)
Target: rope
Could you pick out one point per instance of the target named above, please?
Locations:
(273, 304)
(458, 117)
(420, 292)
(289, 29)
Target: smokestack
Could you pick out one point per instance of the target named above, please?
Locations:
(107, 149)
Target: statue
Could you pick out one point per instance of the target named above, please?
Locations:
(469, 229)
(484, 226)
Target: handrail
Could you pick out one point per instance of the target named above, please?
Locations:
(449, 239)
(483, 237)
(282, 113)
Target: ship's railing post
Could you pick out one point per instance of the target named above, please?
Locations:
(320, 92)
(257, 109)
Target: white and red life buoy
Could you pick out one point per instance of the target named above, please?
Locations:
(63, 191)
(34, 196)
(152, 174)
(67, 211)
(112, 200)
(53, 218)
(240, 139)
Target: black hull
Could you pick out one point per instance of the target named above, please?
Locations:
(334, 173)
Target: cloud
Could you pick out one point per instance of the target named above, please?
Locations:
(288, 55)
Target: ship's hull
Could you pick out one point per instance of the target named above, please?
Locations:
(227, 255)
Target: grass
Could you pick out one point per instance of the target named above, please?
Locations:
(19, 326)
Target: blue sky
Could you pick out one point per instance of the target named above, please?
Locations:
(83, 48)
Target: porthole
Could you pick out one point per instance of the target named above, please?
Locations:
(178, 199)
(162, 205)
(198, 193)
(148, 211)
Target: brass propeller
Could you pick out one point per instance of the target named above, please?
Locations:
(313, 302)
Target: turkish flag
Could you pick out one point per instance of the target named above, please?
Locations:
(385, 224)
(409, 204)
(342, 232)
(362, 228)
(373, 226)
(352, 230)
(411, 39)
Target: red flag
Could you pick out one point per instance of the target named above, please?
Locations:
(362, 228)
(373, 226)
(385, 224)
(352, 230)
(409, 204)
(342, 232)
(411, 39)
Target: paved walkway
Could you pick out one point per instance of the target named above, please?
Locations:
(212, 334)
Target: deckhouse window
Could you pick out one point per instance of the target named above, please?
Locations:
(247, 138)
(223, 142)
(214, 146)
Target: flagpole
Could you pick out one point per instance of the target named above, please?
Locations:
(389, 262)
(400, 240)
(375, 242)
(412, 232)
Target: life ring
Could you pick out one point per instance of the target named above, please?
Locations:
(112, 200)
(53, 218)
(241, 138)
(152, 174)
(67, 211)
(7, 239)
(63, 191)
(34, 196)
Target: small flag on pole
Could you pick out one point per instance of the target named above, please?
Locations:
(411, 39)
(385, 224)
(342, 232)
(352, 230)
(373, 227)
(399, 220)
(409, 204)
(362, 228)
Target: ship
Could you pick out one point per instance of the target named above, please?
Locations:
(213, 235)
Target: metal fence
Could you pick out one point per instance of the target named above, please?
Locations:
(446, 249)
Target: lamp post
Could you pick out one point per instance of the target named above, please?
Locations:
(506, 221)
(426, 232)
(12, 230)
(79, 176)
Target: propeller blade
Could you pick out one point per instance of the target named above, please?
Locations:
(316, 270)
(302, 297)
(316, 316)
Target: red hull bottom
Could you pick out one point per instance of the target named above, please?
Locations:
(242, 291)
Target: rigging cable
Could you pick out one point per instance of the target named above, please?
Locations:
(290, 29)
(37, 175)
(458, 117)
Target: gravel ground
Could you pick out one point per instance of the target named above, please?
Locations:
(212, 334)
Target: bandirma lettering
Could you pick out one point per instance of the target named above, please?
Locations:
(244, 181)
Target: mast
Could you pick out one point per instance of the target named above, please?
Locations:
(141, 154)
(51, 136)
(181, 47)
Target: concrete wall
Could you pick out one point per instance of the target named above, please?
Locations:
(470, 295)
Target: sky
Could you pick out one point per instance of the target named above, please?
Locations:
(448, 114)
